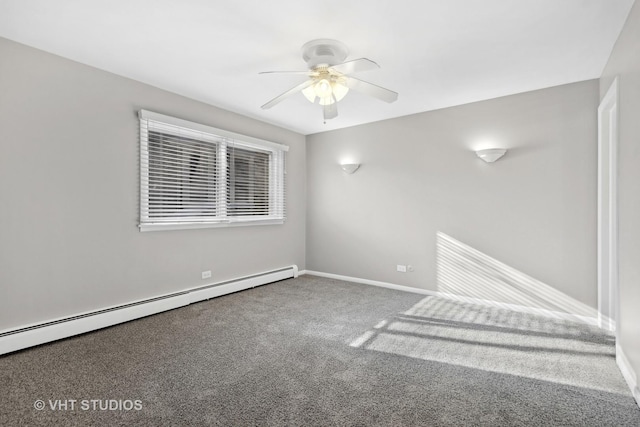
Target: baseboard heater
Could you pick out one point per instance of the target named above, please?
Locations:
(29, 336)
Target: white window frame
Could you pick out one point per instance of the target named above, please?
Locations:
(224, 140)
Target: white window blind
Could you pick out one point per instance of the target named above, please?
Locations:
(193, 175)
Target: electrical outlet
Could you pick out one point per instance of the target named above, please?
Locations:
(401, 268)
(410, 268)
(206, 274)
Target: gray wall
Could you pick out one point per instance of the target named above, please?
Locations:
(69, 183)
(625, 64)
(521, 230)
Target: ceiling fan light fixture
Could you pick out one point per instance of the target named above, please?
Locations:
(310, 94)
(323, 88)
(328, 100)
(329, 77)
(325, 95)
(339, 90)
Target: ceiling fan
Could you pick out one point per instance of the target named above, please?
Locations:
(330, 77)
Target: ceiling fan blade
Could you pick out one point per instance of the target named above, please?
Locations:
(371, 89)
(308, 72)
(357, 65)
(330, 111)
(288, 93)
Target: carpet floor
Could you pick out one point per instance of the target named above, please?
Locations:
(314, 351)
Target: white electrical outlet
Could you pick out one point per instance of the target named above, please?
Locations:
(206, 274)
(401, 268)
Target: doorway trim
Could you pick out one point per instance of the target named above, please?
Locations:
(608, 306)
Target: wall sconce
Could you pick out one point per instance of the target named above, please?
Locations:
(350, 167)
(490, 155)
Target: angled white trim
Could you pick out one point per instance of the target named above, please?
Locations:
(513, 307)
(607, 233)
(628, 373)
(52, 330)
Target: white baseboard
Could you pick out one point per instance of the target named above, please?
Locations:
(513, 307)
(370, 282)
(35, 334)
(216, 290)
(628, 373)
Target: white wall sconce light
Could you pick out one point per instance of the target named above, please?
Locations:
(349, 167)
(490, 155)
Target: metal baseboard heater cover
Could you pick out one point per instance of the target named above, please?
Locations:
(41, 333)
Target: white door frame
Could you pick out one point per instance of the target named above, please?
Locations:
(608, 209)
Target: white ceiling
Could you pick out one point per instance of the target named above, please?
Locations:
(434, 53)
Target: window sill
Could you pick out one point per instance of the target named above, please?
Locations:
(195, 225)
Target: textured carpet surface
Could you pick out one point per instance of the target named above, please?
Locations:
(314, 351)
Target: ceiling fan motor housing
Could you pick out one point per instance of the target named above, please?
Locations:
(324, 52)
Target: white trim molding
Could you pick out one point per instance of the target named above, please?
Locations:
(608, 209)
(52, 330)
(513, 307)
(370, 282)
(628, 373)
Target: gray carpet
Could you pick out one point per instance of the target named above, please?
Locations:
(313, 351)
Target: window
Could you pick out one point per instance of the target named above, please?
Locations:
(192, 176)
